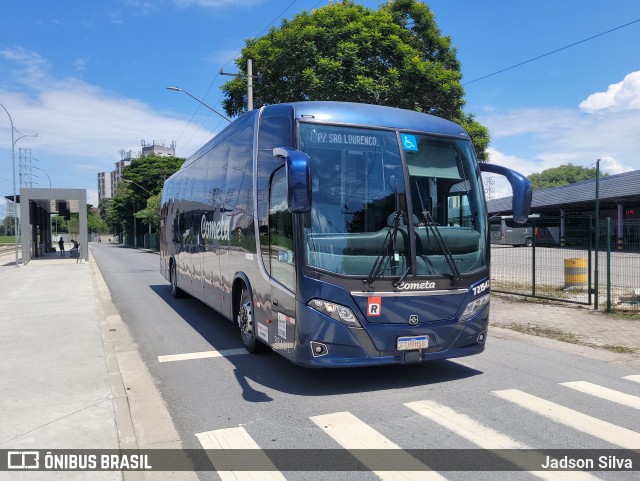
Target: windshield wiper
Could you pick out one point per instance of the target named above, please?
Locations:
(389, 253)
(432, 226)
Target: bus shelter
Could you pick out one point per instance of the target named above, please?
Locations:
(36, 207)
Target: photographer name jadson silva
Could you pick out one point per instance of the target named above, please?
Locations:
(604, 462)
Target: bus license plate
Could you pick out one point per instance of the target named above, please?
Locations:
(408, 343)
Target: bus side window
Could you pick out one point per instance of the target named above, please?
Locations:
(281, 254)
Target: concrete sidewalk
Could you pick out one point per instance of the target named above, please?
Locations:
(67, 357)
(577, 324)
(56, 387)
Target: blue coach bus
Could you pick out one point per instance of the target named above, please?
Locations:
(337, 234)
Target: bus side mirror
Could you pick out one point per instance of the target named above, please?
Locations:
(522, 191)
(298, 178)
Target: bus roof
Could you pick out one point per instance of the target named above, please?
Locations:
(351, 113)
(375, 116)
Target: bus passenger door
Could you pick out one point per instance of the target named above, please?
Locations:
(282, 267)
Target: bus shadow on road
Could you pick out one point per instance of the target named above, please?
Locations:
(275, 372)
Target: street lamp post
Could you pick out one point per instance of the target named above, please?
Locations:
(250, 77)
(13, 162)
(178, 89)
(43, 173)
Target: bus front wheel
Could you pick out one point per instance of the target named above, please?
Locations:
(176, 292)
(246, 321)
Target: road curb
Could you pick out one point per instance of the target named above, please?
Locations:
(142, 417)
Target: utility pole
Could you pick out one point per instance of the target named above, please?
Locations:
(595, 272)
(249, 82)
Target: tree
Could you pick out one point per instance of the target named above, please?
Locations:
(141, 180)
(74, 225)
(59, 224)
(562, 175)
(95, 223)
(394, 56)
(8, 226)
(151, 214)
(150, 172)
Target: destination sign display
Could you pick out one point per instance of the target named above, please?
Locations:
(343, 138)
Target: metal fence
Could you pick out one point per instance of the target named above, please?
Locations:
(565, 263)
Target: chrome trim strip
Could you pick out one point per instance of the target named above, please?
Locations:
(447, 292)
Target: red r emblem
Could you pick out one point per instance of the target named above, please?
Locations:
(374, 307)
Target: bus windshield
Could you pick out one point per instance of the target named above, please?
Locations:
(363, 196)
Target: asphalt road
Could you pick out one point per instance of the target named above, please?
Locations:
(499, 399)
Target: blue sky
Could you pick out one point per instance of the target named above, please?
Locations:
(90, 78)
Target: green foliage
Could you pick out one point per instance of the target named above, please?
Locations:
(74, 225)
(142, 179)
(562, 175)
(151, 214)
(95, 223)
(394, 56)
(7, 226)
(148, 174)
(59, 224)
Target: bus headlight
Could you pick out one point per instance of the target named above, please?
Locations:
(335, 311)
(474, 307)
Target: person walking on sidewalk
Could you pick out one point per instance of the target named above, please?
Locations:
(61, 244)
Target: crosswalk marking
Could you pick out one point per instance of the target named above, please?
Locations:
(369, 446)
(634, 378)
(464, 426)
(202, 355)
(612, 433)
(604, 393)
(352, 433)
(483, 436)
(234, 439)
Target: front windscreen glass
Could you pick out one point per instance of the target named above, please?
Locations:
(448, 203)
(356, 180)
(358, 224)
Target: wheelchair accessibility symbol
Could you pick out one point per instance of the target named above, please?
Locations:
(409, 142)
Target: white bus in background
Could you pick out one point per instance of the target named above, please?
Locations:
(505, 231)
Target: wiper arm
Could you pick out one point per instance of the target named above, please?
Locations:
(381, 261)
(431, 225)
(445, 250)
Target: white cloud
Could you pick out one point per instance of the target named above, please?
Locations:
(612, 166)
(553, 137)
(548, 137)
(623, 95)
(499, 185)
(81, 126)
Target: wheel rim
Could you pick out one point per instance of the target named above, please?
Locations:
(245, 317)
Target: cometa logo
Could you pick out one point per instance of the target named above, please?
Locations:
(215, 230)
(414, 286)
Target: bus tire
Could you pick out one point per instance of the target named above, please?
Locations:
(176, 292)
(528, 242)
(246, 321)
